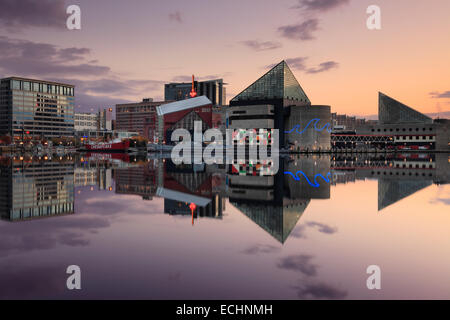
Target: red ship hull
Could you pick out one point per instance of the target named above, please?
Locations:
(122, 146)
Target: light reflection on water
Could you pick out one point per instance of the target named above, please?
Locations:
(145, 228)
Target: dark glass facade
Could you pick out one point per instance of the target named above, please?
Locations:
(213, 89)
(278, 83)
(393, 111)
(34, 109)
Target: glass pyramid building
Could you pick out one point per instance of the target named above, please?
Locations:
(392, 111)
(278, 83)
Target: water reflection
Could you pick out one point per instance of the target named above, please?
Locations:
(44, 188)
(38, 187)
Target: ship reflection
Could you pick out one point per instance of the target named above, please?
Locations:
(39, 187)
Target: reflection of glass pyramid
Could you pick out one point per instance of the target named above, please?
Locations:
(391, 191)
(278, 83)
(393, 111)
(278, 221)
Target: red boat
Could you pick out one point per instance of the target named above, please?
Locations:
(113, 146)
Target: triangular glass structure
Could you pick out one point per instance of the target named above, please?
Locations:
(393, 111)
(278, 221)
(391, 191)
(278, 83)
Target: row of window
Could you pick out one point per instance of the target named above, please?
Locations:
(402, 129)
(90, 124)
(415, 137)
(403, 173)
(41, 87)
(85, 118)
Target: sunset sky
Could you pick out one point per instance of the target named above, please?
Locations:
(127, 50)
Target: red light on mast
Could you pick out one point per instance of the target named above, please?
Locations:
(193, 93)
(192, 206)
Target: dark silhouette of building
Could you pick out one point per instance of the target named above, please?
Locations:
(213, 89)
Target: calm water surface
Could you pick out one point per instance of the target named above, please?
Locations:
(145, 228)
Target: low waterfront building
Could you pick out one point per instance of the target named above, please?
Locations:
(85, 121)
(407, 128)
(139, 117)
(94, 125)
(343, 122)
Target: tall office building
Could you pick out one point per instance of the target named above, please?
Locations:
(34, 109)
(214, 90)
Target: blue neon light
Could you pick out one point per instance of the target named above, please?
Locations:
(327, 178)
(296, 127)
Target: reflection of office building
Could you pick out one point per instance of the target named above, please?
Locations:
(214, 90)
(33, 109)
(277, 101)
(139, 180)
(35, 189)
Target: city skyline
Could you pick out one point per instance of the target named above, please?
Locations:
(331, 52)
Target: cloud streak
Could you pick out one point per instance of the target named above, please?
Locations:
(310, 10)
(319, 290)
(324, 66)
(440, 95)
(23, 57)
(300, 63)
(261, 248)
(18, 15)
(303, 31)
(261, 45)
(299, 263)
(95, 84)
(319, 5)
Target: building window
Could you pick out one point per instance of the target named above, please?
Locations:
(16, 84)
